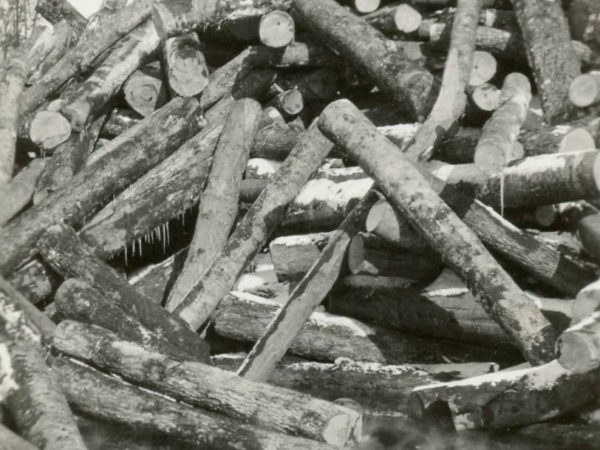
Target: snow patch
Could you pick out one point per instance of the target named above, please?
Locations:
(7, 380)
(324, 320)
(333, 194)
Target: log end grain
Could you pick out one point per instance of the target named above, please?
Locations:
(584, 90)
(276, 29)
(489, 158)
(49, 129)
(291, 102)
(407, 19)
(484, 68)
(575, 140)
(576, 353)
(486, 96)
(342, 428)
(366, 6)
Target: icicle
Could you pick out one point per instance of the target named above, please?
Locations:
(133, 249)
(168, 234)
(502, 193)
(140, 246)
(164, 238)
(125, 252)
(183, 217)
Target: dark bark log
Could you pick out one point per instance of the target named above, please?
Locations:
(110, 400)
(442, 228)
(12, 79)
(274, 141)
(293, 256)
(17, 194)
(394, 19)
(55, 11)
(86, 102)
(35, 280)
(71, 257)
(319, 85)
(108, 30)
(326, 337)
(140, 149)
(505, 399)
(252, 232)
(550, 54)
(499, 134)
(209, 387)
(219, 200)
(276, 29)
(144, 92)
(185, 65)
(305, 297)
(411, 86)
(444, 309)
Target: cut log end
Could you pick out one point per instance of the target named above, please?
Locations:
(291, 102)
(585, 89)
(49, 129)
(366, 6)
(277, 29)
(584, 306)
(407, 19)
(341, 429)
(576, 140)
(356, 254)
(489, 158)
(576, 354)
(484, 68)
(486, 96)
(546, 215)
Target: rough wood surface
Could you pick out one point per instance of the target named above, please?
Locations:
(584, 20)
(49, 129)
(185, 65)
(394, 18)
(219, 200)
(499, 294)
(550, 54)
(305, 297)
(15, 195)
(71, 257)
(584, 90)
(11, 441)
(252, 232)
(141, 148)
(63, 37)
(144, 92)
(209, 387)
(411, 86)
(293, 255)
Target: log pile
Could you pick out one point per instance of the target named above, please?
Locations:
(298, 224)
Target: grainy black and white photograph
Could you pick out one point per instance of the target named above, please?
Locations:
(299, 224)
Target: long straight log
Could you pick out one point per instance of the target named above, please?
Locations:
(186, 67)
(71, 257)
(244, 317)
(458, 245)
(307, 295)
(77, 300)
(64, 36)
(209, 387)
(110, 400)
(12, 81)
(411, 86)
(11, 441)
(140, 149)
(551, 57)
(84, 104)
(252, 232)
(15, 195)
(34, 400)
(108, 30)
(506, 399)
(220, 198)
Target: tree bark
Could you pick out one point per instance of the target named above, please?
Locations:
(411, 86)
(505, 399)
(12, 441)
(584, 20)
(306, 296)
(290, 102)
(113, 401)
(185, 65)
(219, 200)
(86, 102)
(56, 11)
(71, 257)
(326, 337)
(550, 54)
(144, 92)
(49, 129)
(293, 256)
(12, 80)
(458, 245)
(252, 233)
(17, 194)
(119, 121)
(77, 300)
(209, 387)
(499, 134)
(274, 141)
(64, 37)
(139, 150)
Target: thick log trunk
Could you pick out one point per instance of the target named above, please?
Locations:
(185, 65)
(499, 134)
(56, 11)
(252, 233)
(505, 399)
(481, 102)
(108, 30)
(394, 19)
(274, 141)
(68, 159)
(209, 387)
(71, 257)
(587, 301)
(578, 347)
(293, 256)
(140, 149)
(144, 92)
(219, 200)
(326, 337)
(550, 54)
(64, 37)
(17, 194)
(412, 87)
(276, 29)
(305, 297)
(85, 103)
(77, 300)
(12, 441)
(12, 80)
(49, 129)
(34, 400)
(484, 67)
(119, 121)
(584, 20)
(458, 245)
(444, 309)
(177, 18)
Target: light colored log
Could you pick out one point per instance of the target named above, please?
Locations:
(63, 37)
(584, 20)
(343, 123)
(366, 6)
(11, 441)
(276, 29)
(144, 91)
(185, 65)
(261, 168)
(584, 90)
(588, 230)
(393, 19)
(484, 68)
(578, 347)
(293, 256)
(17, 194)
(587, 301)
(289, 102)
(49, 129)
(209, 387)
